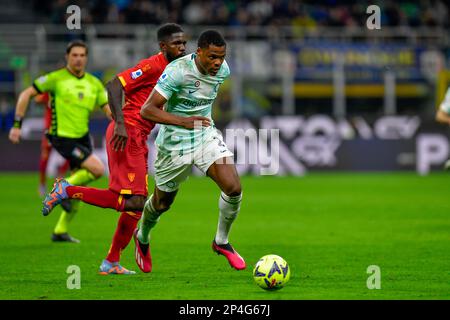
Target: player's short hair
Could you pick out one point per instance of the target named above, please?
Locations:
(76, 43)
(166, 30)
(210, 37)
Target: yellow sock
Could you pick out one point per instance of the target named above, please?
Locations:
(80, 177)
(62, 226)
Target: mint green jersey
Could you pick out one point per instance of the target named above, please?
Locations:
(72, 101)
(188, 93)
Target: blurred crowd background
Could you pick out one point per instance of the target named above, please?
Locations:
(338, 13)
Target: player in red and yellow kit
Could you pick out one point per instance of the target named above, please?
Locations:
(127, 150)
(46, 147)
(129, 169)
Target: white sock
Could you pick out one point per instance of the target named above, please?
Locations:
(228, 210)
(148, 220)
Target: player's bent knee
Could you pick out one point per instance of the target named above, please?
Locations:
(135, 203)
(97, 171)
(94, 165)
(233, 190)
(162, 206)
(97, 174)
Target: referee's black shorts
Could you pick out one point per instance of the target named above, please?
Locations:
(75, 150)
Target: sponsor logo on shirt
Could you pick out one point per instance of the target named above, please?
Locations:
(196, 103)
(136, 74)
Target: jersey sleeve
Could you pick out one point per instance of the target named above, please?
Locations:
(42, 98)
(137, 76)
(170, 81)
(102, 95)
(445, 105)
(45, 83)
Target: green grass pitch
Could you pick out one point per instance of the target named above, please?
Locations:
(329, 227)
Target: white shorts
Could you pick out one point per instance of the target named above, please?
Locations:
(171, 169)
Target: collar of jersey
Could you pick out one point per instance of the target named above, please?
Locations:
(75, 75)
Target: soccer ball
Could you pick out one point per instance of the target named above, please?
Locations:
(271, 272)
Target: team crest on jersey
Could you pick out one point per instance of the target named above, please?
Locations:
(136, 74)
(146, 68)
(80, 95)
(131, 176)
(197, 85)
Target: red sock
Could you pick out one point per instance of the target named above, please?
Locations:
(43, 161)
(104, 198)
(124, 232)
(42, 169)
(62, 169)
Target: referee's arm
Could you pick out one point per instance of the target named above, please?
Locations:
(21, 109)
(107, 110)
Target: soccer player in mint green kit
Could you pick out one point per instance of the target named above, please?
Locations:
(74, 95)
(188, 137)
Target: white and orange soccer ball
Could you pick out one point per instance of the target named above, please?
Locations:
(271, 272)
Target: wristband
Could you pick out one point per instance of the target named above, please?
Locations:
(17, 122)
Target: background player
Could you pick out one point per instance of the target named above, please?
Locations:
(127, 146)
(46, 147)
(189, 85)
(74, 95)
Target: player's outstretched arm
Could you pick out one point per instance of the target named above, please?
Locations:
(21, 109)
(442, 117)
(153, 110)
(115, 98)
